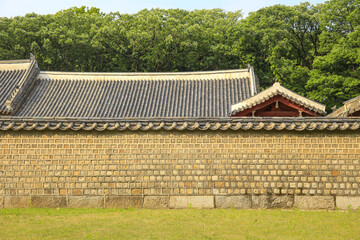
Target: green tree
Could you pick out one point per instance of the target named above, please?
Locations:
(313, 50)
(336, 74)
(66, 43)
(282, 42)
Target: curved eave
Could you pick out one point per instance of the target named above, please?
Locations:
(246, 123)
(248, 105)
(274, 90)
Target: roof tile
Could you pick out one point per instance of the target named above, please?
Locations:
(79, 97)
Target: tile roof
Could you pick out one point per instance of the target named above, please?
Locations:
(350, 106)
(274, 90)
(138, 95)
(16, 81)
(34, 100)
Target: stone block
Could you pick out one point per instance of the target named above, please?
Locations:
(123, 202)
(277, 201)
(156, 202)
(272, 201)
(261, 201)
(192, 202)
(233, 202)
(17, 201)
(1, 202)
(314, 202)
(86, 201)
(48, 201)
(343, 202)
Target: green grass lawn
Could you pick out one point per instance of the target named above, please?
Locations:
(177, 224)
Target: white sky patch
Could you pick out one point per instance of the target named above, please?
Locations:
(11, 8)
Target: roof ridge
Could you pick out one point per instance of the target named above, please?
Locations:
(27, 81)
(147, 73)
(15, 61)
(149, 76)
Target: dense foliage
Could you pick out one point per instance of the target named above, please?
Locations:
(313, 50)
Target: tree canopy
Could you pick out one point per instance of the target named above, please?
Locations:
(312, 49)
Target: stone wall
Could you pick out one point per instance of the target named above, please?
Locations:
(177, 169)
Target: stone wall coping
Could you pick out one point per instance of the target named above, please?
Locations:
(245, 123)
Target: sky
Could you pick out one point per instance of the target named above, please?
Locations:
(12, 8)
